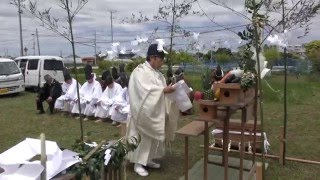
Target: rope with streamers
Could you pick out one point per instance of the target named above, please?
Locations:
(273, 90)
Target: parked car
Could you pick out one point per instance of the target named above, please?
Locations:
(11, 78)
(36, 67)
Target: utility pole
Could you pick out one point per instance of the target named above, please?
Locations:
(218, 47)
(34, 44)
(38, 41)
(20, 28)
(95, 48)
(111, 18)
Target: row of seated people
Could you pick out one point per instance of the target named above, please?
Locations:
(99, 100)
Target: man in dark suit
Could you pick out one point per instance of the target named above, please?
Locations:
(50, 91)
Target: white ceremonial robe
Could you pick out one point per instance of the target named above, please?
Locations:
(89, 96)
(105, 108)
(66, 101)
(64, 87)
(147, 113)
(121, 107)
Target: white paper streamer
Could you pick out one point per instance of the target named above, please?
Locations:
(107, 157)
(195, 35)
(160, 46)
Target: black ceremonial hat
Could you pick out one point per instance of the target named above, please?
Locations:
(153, 51)
(88, 72)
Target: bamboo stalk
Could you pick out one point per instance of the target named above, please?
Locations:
(43, 158)
(87, 157)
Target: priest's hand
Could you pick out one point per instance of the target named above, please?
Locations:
(169, 89)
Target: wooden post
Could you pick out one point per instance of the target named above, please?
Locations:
(186, 156)
(243, 121)
(281, 146)
(259, 171)
(225, 156)
(206, 150)
(43, 156)
(255, 116)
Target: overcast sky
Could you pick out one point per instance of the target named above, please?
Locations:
(95, 18)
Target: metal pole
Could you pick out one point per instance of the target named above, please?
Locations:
(95, 48)
(20, 28)
(34, 44)
(38, 41)
(111, 26)
(169, 63)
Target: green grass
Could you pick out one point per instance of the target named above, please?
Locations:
(18, 120)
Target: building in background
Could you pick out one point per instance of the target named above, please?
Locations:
(69, 59)
(88, 60)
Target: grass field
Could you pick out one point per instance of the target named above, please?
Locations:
(18, 120)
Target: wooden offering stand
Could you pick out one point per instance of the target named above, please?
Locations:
(232, 98)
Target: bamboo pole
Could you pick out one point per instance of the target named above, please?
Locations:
(257, 46)
(285, 90)
(43, 158)
(75, 67)
(87, 157)
(282, 141)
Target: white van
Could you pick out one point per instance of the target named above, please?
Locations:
(36, 67)
(11, 78)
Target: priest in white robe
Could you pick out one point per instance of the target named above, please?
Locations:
(66, 101)
(147, 96)
(105, 104)
(90, 93)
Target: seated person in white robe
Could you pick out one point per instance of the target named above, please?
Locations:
(90, 93)
(106, 101)
(121, 110)
(121, 102)
(147, 94)
(66, 101)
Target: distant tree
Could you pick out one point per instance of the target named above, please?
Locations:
(223, 58)
(313, 53)
(182, 58)
(209, 55)
(170, 13)
(292, 55)
(224, 51)
(64, 28)
(272, 54)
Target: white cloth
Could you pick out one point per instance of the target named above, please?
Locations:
(105, 103)
(180, 96)
(65, 102)
(89, 95)
(147, 113)
(121, 106)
